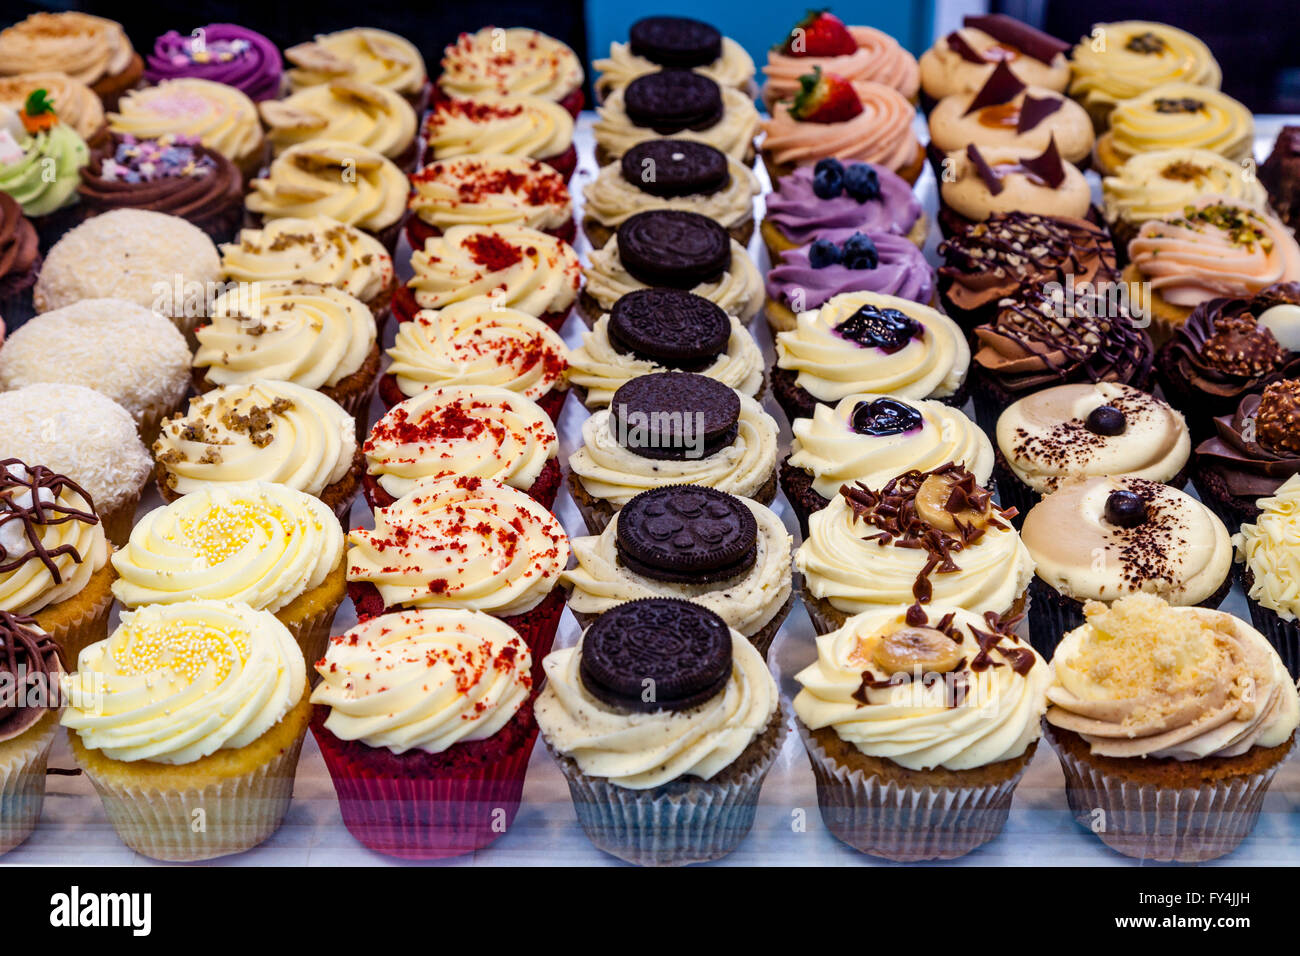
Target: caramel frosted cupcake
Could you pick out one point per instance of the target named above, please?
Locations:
(1266, 548)
(344, 181)
(512, 60)
(1175, 116)
(75, 103)
(978, 183)
(672, 428)
(261, 544)
(263, 431)
(660, 42)
(91, 50)
(346, 110)
(923, 537)
(919, 723)
(872, 439)
(673, 249)
(516, 266)
(962, 61)
(475, 343)
(1126, 535)
(865, 342)
(530, 127)
(28, 724)
(859, 54)
(56, 569)
(363, 54)
(479, 430)
(1158, 713)
(671, 174)
(1121, 60)
(656, 330)
(678, 103)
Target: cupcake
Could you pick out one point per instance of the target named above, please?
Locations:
(20, 261)
(320, 250)
(671, 174)
(154, 260)
(682, 104)
(219, 116)
(830, 117)
(256, 543)
(1175, 116)
(512, 60)
(672, 428)
(834, 196)
(90, 343)
(659, 330)
(262, 431)
(1119, 61)
(842, 262)
(84, 435)
(1164, 182)
(363, 54)
(425, 721)
(728, 554)
(1215, 247)
(674, 249)
(488, 190)
(1126, 536)
(864, 342)
(1007, 112)
(466, 543)
(674, 43)
(56, 570)
(978, 183)
(174, 175)
(41, 159)
(992, 260)
(346, 110)
(873, 439)
(480, 430)
(324, 177)
(28, 723)
(859, 54)
(74, 102)
(922, 537)
(1254, 450)
(202, 664)
(517, 267)
(312, 335)
(673, 779)
(1086, 430)
(91, 50)
(1266, 548)
(528, 127)
(961, 61)
(222, 53)
(1280, 175)
(1171, 722)
(476, 343)
(919, 722)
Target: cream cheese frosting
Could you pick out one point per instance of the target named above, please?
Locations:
(179, 682)
(326, 177)
(966, 192)
(1181, 115)
(611, 198)
(491, 190)
(1270, 549)
(512, 60)
(1125, 59)
(733, 134)
(1162, 183)
(829, 366)
(423, 680)
(219, 116)
(881, 133)
(86, 47)
(361, 53)
(944, 71)
(638, 751)
(346, 110)
(532, 127)
(254, 542)
(738, 291)
(734, 68)
(922, 724)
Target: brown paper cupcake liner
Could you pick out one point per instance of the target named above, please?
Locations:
(22, 781)
(119, 521)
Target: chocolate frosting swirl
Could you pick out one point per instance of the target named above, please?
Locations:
(29, 672)
(1249, 468)
(19, 252)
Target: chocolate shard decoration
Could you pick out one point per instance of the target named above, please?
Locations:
(991, 179)
(1047, 165)
(1033, 111)
(1033, 43)
(1002, 86)
(957, 43)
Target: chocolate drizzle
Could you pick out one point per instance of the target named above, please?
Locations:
(37, 483)
(30, 660)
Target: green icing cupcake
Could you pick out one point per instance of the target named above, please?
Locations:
(45, 177)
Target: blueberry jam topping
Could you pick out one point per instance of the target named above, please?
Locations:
(1106, 420)
(884, 416)
(1125, 509)
(886, 329)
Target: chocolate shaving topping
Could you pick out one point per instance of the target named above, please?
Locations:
(1047, 165)
(1033, 111)
(1021, 36)
(1002, 86)
(41, 508)
(957, 43)
(991, 179)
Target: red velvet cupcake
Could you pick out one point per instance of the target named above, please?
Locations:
(513, 60)
(528, 126)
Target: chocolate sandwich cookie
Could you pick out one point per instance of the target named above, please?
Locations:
(669, 168)
(687, 534)
(673, 100)
(675, 41)
(673, 416)
(656, 654)
(669, 247)
(670, 327)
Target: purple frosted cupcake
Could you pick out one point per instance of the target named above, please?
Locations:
(220, 52)
(846, 260)
(858, 196)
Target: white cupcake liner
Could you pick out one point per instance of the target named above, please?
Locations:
(22, 785)
(312, 634)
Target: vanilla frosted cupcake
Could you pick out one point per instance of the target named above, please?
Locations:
(1175, 116)
(530, 127)
(962, 61)
(979, 182)
(90, 49)
(363, 54)
(75, 103)
(512, 60)
(233, 686)
(678, 103)
(219, 116)
(261, 544)
(662, 42)
(346, 110)
(1267, 549)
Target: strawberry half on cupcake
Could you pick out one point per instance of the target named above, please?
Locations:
(855, 53)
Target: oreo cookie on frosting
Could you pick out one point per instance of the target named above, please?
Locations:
(674, 416)
(679, 42)
(673, 100)
(670, 327)
(669, 168)
(687, 534)
(673, 248)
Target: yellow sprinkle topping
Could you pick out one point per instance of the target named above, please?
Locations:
(181, 650)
